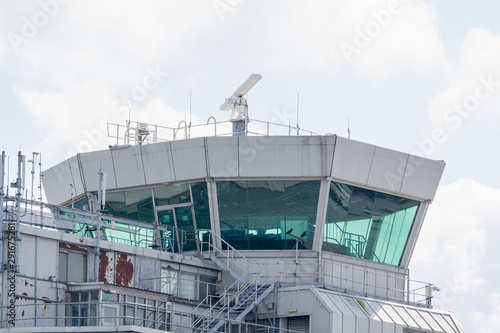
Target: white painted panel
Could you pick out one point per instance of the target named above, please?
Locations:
(128, 167)
(223, 157)
(301, 156)
(46, 290)
(158, 165)
(349, 320)
(56, 183)
(27, 255)
(422, 177)
(387, 169)
(46, 264)
(46, 311)
(91, 163)
(77, 178)
(352, 161)
(189, 159)
(25, 308)
(25, 286)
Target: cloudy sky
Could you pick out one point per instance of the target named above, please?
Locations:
(411, 75)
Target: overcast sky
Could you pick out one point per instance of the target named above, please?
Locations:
(416, 76)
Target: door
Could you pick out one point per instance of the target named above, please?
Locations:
(110, 314)
(181, 228)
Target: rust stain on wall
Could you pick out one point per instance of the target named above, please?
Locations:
(72, 247)
(103, 265)
(124, 270)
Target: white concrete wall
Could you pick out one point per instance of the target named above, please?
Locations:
(221, 158)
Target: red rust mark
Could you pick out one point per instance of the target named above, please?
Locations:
(45, 299)
(124, 270)
(24, 294)
(26, 283)
(22, 314)
(72, 247)
(103, 265)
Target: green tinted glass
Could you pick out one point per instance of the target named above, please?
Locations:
(268, 214)
(367, 224)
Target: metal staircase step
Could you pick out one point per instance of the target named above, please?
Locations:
(219, 263)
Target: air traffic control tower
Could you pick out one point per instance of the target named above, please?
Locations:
(293, 233)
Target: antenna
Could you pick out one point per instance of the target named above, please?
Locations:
(190, 110)
(238, 104)
(298, 128)
(348, 130)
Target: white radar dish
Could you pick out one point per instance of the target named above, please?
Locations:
(241, 91)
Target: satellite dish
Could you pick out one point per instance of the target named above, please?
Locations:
(238, 104)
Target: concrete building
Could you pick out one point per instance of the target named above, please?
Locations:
(232, 234)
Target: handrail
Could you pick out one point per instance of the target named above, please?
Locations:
(254, 283)
(213, 250)
(347, 239)
(166, 133)
(121, 317)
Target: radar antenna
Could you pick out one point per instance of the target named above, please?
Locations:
(238, 104)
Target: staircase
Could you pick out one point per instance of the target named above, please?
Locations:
(240, 298)
(253, 295)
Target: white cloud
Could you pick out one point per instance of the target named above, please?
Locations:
(490, 321)
(479, 56)
(395, 35)
(457, 248)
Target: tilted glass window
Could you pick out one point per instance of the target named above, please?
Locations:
(367, 224)
(72, 267)
(133, 204)
(268, 214)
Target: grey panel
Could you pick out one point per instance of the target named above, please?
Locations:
(56, 183)
(422, 177)
(223, 157)
(189, 159)
(46, 265)
(27, 252)
(144, 268)
(387, 169)
(91, 163)
(128, 166)
(77, 178)
(352, 161)
(301, 156)
(158, 165)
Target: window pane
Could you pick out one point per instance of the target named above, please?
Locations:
(367, 224)
(169, 282)
(200, 203)
(268, 214)
(77, 267)
(109, 315)
(141, 314)
(171, 194)
(139, 205)
(150, 318)
(187, 286)
(63, 266)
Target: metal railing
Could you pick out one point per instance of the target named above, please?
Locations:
(95, 314)
(138, 133)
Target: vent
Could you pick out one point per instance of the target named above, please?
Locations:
(300, 324)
